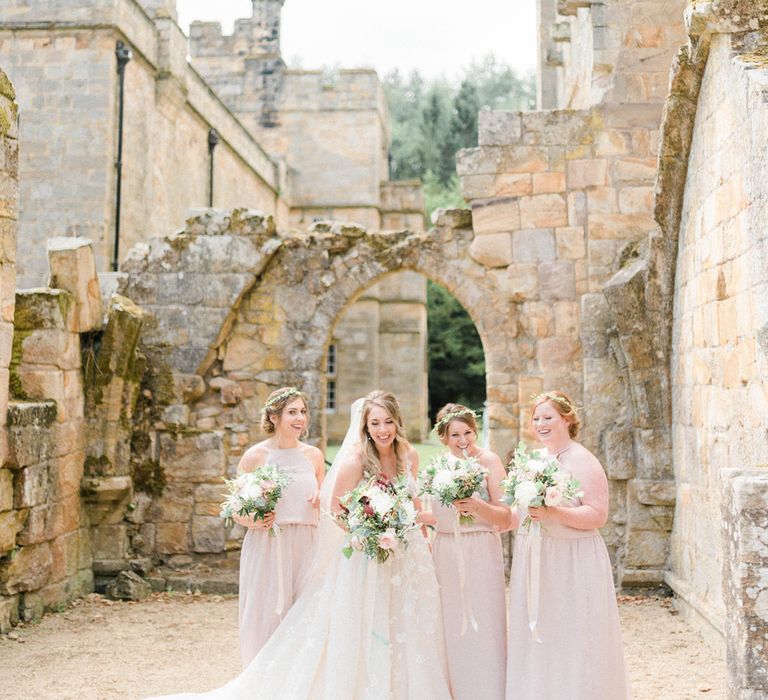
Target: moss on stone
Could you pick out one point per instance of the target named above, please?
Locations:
(14, 380)
(149, 477)
(97, 465)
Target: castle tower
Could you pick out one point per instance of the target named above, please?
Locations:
(246, 68)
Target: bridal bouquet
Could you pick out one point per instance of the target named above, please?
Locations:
(255, 493)
(377, 516)
(536, 479)
(449, 478)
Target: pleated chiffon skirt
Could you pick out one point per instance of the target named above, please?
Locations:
(477, 660)
(580, 655)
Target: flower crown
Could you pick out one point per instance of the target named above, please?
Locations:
(552, 396)
(293, 391)
(448, 417)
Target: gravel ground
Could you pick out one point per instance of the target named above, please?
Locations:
(98, 649)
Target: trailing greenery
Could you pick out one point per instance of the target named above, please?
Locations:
(432, 119)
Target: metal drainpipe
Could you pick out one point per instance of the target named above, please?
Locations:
(124, 54)
(213, 139)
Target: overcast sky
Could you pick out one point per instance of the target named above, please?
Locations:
(435, 36)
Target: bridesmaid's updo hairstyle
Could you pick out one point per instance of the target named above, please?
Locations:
(371, 461)
(563, 404)
(451, 412)
(276, 403)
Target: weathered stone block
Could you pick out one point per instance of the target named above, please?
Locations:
(128, 586)
(745, 540)
(619, 448)
(499, 128)
(59, 348)
(587, 172)
(543, 211)
(44, 308)
(208, 533)
(171, 538)
(9, 613)
(495, 215)
(646, 548)
(110, 542)
(537, 245)
(27, 570)
(523, 281)
(557, 280)
(193, 456)
(11, 523)
(65, 555)
(6, 490)
(492, 249)
(34, 485)
(547, 183)
(73, 268)
(175, 504)
(656, 493)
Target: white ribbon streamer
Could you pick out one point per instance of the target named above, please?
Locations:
(280, 577)
(534, 578)
(467, 614)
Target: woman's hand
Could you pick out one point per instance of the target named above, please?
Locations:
(251, 521)
(542, 513)
(314, 499)
(467, 506)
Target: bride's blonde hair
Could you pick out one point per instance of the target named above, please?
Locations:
(368, 451)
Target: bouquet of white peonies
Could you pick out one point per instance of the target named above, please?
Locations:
(255, 493)
(377, 516)
(449, 478)
(536, 479)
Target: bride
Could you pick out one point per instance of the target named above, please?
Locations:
(362, 630)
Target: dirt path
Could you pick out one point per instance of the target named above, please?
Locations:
(98, 649)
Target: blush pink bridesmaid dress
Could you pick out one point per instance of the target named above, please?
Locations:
(477, 658)
(273, 569)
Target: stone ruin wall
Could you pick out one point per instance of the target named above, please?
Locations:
(719, 555)
(66, 80)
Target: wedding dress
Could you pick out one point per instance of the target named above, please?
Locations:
(360, 631)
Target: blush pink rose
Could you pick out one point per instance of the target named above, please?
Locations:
(356, 542)
(553, 496)
(388, 539)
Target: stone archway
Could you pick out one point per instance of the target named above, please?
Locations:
(279, 325)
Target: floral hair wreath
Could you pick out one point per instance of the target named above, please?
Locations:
(552, 396)
(293, 391)
(448, 417)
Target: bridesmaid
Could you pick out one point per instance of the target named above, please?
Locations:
(262, 559)
(574, 649)
(476, 658)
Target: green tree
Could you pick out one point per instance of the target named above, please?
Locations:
(456, 359)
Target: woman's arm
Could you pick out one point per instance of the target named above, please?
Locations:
(350, 473)
(317, 460)
(424, 517)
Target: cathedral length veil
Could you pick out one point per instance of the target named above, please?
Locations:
(326, 647)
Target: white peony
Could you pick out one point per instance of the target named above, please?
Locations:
(252, 491)
(525, 492)
(381, 502)
(443, 481)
